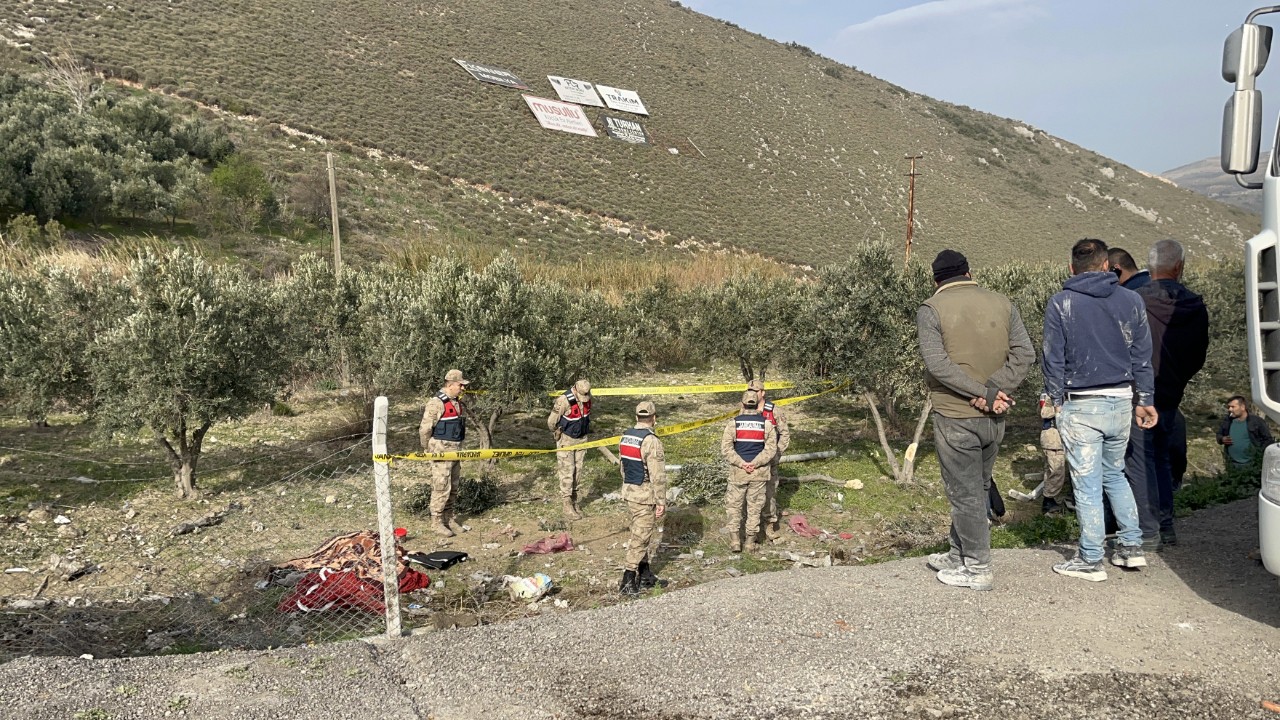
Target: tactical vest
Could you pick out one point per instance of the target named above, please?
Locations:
(748, 438)
(450, 426)
(577, 422)
(767, 412)
(634, 471)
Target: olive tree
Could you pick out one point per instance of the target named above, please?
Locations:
(194, 344)
(859, 324)
(748, 318)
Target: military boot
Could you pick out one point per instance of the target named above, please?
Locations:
(451, 519)
(571, 509)
(647, 578)
(735, 544)
(439, 527)
(772, 531)
(630, 584)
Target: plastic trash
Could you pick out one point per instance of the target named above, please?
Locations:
(528, 588)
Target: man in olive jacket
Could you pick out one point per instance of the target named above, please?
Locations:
(976, 352)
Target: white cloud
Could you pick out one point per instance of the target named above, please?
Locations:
(936, 11)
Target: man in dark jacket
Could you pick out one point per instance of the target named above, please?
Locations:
(1179, 325)
(1126, 269)
(1242, 434)
(1097, 353)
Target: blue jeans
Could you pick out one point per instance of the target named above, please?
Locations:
(1095, 433)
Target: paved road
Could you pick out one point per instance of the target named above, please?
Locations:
(1197, 635)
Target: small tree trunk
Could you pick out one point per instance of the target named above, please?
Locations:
(909, 459)
(747, 371)
(184, 458)
(884, 441)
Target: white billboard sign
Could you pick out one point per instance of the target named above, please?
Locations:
(575, 91)
(562, 116)
(625, 100)
(491, 74)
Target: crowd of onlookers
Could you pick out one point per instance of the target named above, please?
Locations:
(1120, 346)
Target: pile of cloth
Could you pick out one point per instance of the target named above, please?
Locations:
(345, 572)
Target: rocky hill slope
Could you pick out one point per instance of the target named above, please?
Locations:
(759, 146)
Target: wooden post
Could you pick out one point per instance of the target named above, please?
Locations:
(386, 528)
(333, 218)
(344, 368)
(911, 204)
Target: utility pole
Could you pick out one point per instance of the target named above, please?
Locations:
(344, 368)
(911, 204)
(333, 219)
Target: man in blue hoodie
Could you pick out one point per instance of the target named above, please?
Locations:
(1097, 352)
(1179, 324)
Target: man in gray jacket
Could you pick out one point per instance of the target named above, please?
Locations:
(976, 352)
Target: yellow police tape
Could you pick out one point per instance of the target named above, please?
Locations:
(497, 453)
(680, 389)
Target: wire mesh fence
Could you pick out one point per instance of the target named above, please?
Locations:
(102, 559)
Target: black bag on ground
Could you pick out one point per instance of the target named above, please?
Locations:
(438, 560)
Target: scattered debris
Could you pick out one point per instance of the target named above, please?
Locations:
(529, 588)
(61, 520)
(207, 521)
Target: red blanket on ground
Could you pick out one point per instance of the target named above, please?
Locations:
(347, 574)
(342, 589)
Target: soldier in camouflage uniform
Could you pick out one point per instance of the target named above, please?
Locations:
(570, 421)
(749, 445)
(642, 462)
(443, 429)
(1055, 458)
(778, 422)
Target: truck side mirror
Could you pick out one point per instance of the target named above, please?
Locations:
(1245, 53)
(1241, 132)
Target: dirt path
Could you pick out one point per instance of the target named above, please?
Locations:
(1195, 635)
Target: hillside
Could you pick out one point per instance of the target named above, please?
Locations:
(780, 152)
(1206, 177)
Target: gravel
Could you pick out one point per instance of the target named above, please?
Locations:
(1197, 634)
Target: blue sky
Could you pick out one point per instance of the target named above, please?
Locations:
(1136, 80)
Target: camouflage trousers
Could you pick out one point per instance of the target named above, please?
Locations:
(1055, 462)
(569, 466)
(444, 476)
(771, 515)
(748, 496)
(642, 525)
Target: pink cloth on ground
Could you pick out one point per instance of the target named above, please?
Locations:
(551, 544)
(800, 526)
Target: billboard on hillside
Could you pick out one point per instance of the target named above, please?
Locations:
(575, 91)
(490, 74)
(624, 100)
(562, 116)
(625, 130)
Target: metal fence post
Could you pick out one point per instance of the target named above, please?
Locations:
(386, 528)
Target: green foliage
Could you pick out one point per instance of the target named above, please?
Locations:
(47, 320)
(474, 497)
(23, 231)
(1233, 483)
(241, 187)
(120, 155)
(703, 481)
(748, 318)
(196, 344)
(859, 323)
